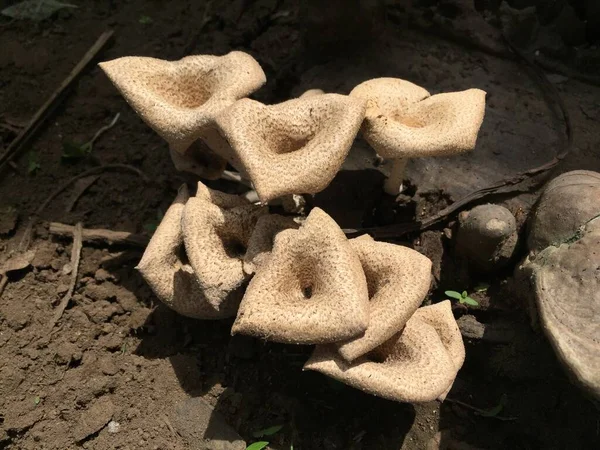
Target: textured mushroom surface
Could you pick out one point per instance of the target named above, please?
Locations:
(568, 202)
(295, 147)
(403, 121)
(180, 99)
(173, 281)
(263, 236)
(418, 364)
(398, 279)
(566, 283)
(215, 240)
(311, 290)
(487, 237)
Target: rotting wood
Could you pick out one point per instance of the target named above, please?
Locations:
(75, 259)
(44, 111)
(101, 236)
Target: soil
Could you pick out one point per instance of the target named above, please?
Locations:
(118, 355)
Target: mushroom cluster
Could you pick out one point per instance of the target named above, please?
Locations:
(199, 106)
(301, 281)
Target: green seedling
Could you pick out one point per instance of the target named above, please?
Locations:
(33, 163)
(267, 431)
(493, 412)
(463, 298)
(36, 401)
(257, 445)
(145, 20)
(73, 151)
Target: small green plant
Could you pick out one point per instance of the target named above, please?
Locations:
(493, 412)
(33, 163)
(36, 401)
(73, 151)
(259, 445)
(145, 20)
(463, 298)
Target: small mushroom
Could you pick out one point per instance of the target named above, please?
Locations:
(312, 93)
(418, 364)
(311, 290)
(216, 238)
(181, 99)
(398, 279)
(403, 121)
(487, 237)
(164, 267)
(295, 147)
(568, 202)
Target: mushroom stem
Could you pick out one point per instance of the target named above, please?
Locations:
(393, 184)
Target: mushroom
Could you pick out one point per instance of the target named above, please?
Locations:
(418, 364)
(295, 147)
(311, 290)
(398, 279)
(403, 121)
(262, 238)
(164, 267)
(181, 99)
(312, 93)
(216, 237)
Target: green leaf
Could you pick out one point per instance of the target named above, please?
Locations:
(496, 409)
(464, 294)
(267, 431)
(33, 164)
(257, 445)
(469, 301)
(145, 20)
(36, 401)
(482, 287)
(72, 150)
(454, 294)
(36, 10)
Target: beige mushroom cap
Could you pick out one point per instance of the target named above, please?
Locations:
(403, 121)
(295, 147)
(416, 365)
(180, 99)
(311, 290)
(398, 279)
(262, 239)
(172, 280)
(215, 242)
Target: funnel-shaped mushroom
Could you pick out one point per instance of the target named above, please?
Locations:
(418, 364)
(295, 147)
(398, 279)
(262, 239)
(403, 121)
(180, 99)
(215, 241)
(173, 281)
(311, 290)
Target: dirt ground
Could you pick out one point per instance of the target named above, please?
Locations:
(118, 355)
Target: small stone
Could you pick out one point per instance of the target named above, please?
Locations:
(113, 427)
(107, 365)
(93, 419)
(103, 275)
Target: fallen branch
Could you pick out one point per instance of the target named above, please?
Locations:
(504, 186)
(44, 111)
(101, 236)
(75, 258)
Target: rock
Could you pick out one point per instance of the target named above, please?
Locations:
(203, 428)
(568, 202)
(566, 284)
(45, 254)
(93, 419)
(487, 237)
(498, 332)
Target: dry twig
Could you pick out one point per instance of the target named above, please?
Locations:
(75, 258)
(44, 111)
(101, 236)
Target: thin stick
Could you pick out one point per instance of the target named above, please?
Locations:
(75, 258)
(44, 111)
(85, 187)
(25, 240)
(103, 130)
(479, 411)
(101, 236)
